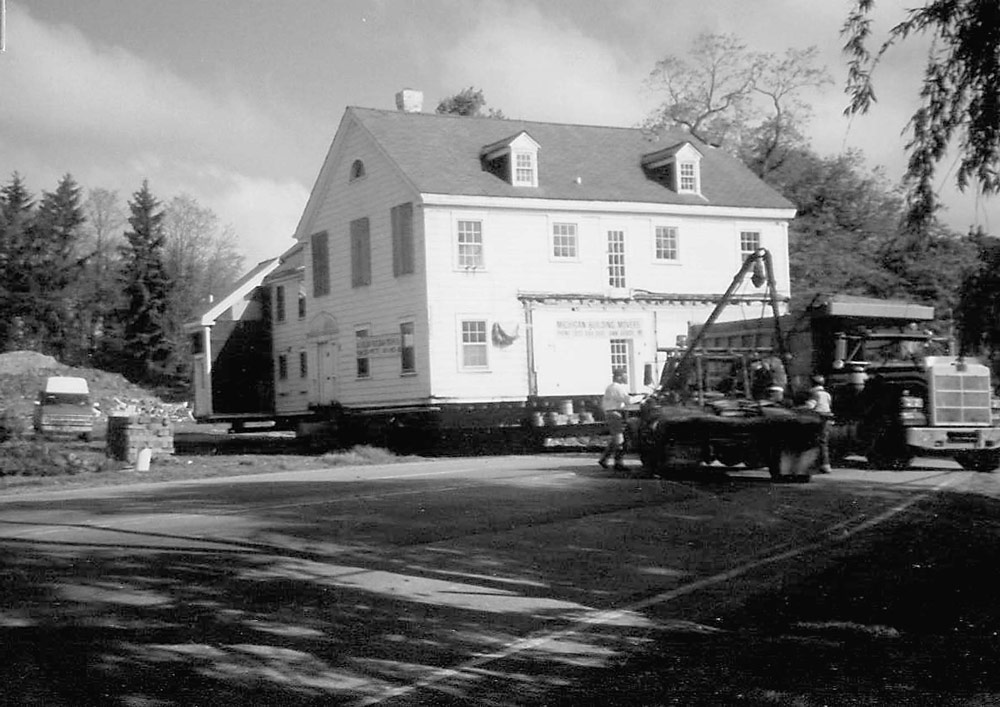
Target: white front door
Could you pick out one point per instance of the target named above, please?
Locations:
(326, 372)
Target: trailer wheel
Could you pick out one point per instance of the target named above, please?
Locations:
(979, 461)
(730, 457)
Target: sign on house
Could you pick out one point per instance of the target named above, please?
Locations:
(611, 328)
(379, 345)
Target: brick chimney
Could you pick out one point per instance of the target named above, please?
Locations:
(410, 101)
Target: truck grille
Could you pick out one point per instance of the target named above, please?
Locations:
(961, 399)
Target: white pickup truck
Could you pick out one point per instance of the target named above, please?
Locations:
(63, 408)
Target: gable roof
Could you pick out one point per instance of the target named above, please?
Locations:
(290, 262)
(211, 311)
(441, 154)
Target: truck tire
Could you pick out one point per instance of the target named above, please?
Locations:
(888, 458)
(979, 461)
(886, 450)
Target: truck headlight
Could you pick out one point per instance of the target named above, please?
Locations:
(912, 418)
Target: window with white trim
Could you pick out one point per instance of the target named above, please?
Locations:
(620, 356)
(470, 245)
(666, 242)
(687, 177)
(564, 241)
(303, 365)
(749, 243)
(616, 258)
(524, 169)
(474, 344)
(407, 349)
(362, 363)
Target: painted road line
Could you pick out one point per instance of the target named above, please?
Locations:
(836, 533)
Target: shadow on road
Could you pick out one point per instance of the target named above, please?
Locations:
(297, 600)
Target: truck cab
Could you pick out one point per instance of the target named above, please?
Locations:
(63, 407)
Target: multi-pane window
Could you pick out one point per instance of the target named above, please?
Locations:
(619, 356)
(749, 243)
(666, 243)
(688, 177)
(362, 361)
(616, 258)
(302, 304)
(564, 240)
(474, 349)
(407, 351)
(320, 264)
(303, 365)
(361, 253)
(524, 169)
(282, 367)
(402, 239)
(279, 303)
(470, 244)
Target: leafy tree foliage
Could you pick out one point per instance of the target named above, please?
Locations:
(201, 255)
(147, 287)
(745, 101)
(843, 217)
(469, 102)
(97, 291)
(959, 98)
(978, 311)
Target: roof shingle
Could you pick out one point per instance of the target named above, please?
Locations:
(440, 154)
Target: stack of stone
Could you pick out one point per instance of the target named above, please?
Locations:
(130, 434)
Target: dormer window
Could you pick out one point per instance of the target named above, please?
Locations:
(677, 167)
(515, 160)
(687, 177)
(524, 170)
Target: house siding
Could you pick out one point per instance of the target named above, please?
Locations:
(379, 306)
(291, 395)
(570, 333)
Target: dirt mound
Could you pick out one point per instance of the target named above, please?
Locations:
(22, 374)
(18, 362)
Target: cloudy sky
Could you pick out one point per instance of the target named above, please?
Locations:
(235, 102)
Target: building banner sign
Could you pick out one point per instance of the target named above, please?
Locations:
(379, 345)
(599, 328)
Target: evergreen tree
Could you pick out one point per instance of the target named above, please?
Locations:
(147, 288)
(53, 268)
(16, 216)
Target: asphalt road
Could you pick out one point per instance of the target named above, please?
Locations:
(538, 580)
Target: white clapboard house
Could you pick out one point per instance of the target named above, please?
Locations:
(450, 261)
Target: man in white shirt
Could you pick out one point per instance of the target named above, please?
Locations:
(616, 399)
(821, 402)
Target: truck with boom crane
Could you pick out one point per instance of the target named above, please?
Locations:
(688, 423)
(899, 390)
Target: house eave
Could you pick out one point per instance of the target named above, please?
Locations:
(630, 207)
